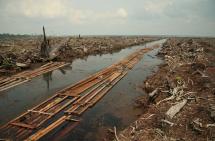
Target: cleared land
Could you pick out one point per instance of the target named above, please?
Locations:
(18, 53)
(180, 104)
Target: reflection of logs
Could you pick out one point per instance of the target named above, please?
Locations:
(28, 75)
(68, 104)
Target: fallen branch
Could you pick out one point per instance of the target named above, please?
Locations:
(197, 122)
(190, 80)
(153, 95)
(166, 99)
(176, 92)
(168, 122)
(117, 139)
(200, 72)
(210, 125)
(148, 117)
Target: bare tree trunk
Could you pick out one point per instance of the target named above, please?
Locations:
(44, 46)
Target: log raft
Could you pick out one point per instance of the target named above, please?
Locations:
(66, 105)
(26, 76)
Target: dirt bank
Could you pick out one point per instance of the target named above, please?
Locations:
(25, 49)
(180, 100)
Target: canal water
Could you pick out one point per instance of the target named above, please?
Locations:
(115, 109)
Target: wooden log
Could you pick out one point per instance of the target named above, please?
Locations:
(22, 125)
(176, 108)
(28, 75)
(98, 85)
(40, 112)
(49, 128)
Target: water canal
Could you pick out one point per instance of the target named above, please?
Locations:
(115, 109)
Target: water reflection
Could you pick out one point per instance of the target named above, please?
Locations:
(48, 77)
(62, 71)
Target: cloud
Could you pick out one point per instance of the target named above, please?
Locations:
(54, 9)
(156, 6)
(109, 17)
(80, 16)
(44, 8)
(38, 8)
(121, 12)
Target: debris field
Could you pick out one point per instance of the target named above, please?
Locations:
(22, 52)
(180, 100)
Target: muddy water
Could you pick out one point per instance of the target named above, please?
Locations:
(115, 109)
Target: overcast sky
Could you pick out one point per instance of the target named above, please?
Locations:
(108, 17)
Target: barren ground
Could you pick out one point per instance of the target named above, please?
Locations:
(26, 49)
(188, 74)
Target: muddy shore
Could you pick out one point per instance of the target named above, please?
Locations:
(26, 49)
(180, 100)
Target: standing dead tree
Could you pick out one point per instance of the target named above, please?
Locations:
(45, 46)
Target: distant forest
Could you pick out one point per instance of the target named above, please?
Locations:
(7, 35)
(14, 36)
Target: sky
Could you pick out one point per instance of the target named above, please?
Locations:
(108, 17)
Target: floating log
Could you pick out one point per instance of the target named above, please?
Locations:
(26, 76)
(76, 99)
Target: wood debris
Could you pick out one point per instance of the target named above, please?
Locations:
(176, 108)
(184, 100)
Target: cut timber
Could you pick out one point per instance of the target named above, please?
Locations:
(176, 108)
(93, 97)
(46, 130)
(23, 125)
(44, 113)
(68, 104)
(28, 75)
